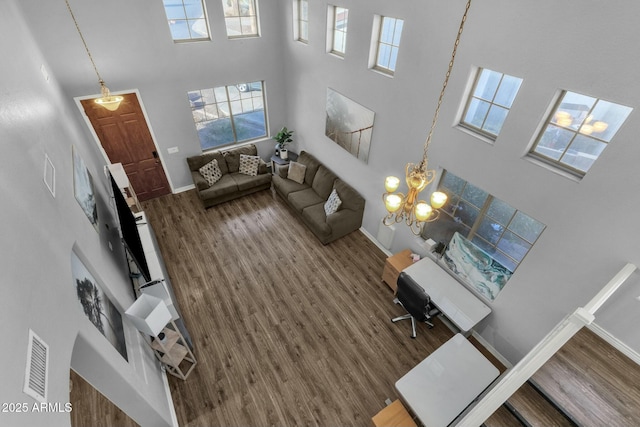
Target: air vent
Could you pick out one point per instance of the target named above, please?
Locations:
(35, 378)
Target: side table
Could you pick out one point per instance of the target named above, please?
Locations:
(393, 266)
(276, 160)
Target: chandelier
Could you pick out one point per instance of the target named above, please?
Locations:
(108, 101)
(407, 208)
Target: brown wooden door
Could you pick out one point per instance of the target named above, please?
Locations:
(126, 139)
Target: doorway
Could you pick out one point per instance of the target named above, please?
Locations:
(126, 138)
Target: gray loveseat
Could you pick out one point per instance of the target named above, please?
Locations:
(308, 199)
(232, 184)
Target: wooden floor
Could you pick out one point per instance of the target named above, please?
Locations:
(91, 408)
(287, 332)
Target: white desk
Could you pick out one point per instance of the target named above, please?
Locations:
(455, 301)
(440, 387)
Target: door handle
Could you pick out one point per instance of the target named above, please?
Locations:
(155, 156)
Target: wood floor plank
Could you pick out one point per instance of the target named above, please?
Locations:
(287, 331)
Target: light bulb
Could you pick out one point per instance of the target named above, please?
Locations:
(391, 183)
(438, 199)
(423, 211)
(392, 202)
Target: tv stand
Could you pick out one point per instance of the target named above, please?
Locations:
(160, 284)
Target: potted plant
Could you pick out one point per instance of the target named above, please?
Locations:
(284, 138)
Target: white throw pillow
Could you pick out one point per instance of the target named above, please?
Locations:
(296, 172)
(249, 164)
(333, 203)
(211, 172)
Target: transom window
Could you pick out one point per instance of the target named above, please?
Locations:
(240, 18)
(187, 20)
(578, 130)
(388, 44)
(503, 232)
(301, 15)
(228, 114)
(339, 18)
(492, 96)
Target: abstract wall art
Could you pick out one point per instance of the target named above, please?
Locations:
(349, 124)
(83, 188)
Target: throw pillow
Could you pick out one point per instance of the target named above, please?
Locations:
(211, 172)
(333, 203)
(296, 172)
(249, 164)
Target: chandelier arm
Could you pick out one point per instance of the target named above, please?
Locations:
(423, 164)
(84, 43)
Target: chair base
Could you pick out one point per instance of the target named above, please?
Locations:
(413, 323)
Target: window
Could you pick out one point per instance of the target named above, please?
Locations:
(187, 20)
(338, 18)
(301, 20)
(228, 114)
(578, 130)
(388, 43)
(500, 230)
(240, 18)
(490, 101)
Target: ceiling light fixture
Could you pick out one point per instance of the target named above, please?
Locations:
(108, 101)
(408, 208)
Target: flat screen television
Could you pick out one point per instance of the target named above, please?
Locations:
(129, 230)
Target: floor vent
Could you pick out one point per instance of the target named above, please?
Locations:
(35, 379)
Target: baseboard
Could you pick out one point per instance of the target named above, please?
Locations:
(615, 342)
(492, 350)
(172, 409)
(183, 189)
(375, 241)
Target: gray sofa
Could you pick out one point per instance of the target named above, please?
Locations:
(307, 199)
(232, 184)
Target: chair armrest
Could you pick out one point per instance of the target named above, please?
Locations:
(199, 181)
(344, 220)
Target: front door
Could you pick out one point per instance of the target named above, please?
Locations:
(126, 139)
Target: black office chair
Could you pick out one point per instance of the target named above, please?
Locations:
(416, 301)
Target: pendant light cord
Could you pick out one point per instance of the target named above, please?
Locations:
(85, 44)
(423, 164)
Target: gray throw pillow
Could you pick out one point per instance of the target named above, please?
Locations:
(296, 172)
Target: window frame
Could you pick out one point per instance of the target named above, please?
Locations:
(558, 164)
(480, 130)
(227, 101)
(190, 39)
(332, 18)
(299, 20)
(255, 16)
(377, 43)
(482, 213)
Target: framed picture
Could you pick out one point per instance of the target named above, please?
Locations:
(349, 124)
(83, 189)
(97, 306)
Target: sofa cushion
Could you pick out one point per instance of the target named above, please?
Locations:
(225, 185)
(314, 216)
(196, 162)
(323, 182)
(249, 165)
(232, 156)
(312, 165)
(285, 186)
(211, 172)
(304, 198)
(246, 182)
(333, 203)
(296, 172)
(351, 199)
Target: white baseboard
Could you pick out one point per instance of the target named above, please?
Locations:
(491, 350)
(172, 409)
(183, 189)
(375, 241)
(615, 342)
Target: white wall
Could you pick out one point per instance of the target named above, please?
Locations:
(38, 235)
(576, 45)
